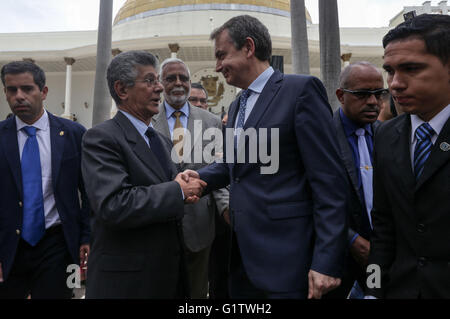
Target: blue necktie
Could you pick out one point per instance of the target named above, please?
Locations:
(33, 227)
(158, 149)
(423, 147)
(241, 115)
(366, 169)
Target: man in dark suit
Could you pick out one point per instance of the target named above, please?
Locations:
(288, 218)
(176, 120)
(411, 213)
(137, 243)
(360, 93)
(43, 226)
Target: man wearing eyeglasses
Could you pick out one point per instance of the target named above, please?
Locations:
(360, 94)
(199, 96)
(176, 120)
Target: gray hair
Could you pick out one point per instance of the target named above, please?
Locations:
(173, 60)
(344, 78)
(123, 68)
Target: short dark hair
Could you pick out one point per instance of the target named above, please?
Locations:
(433, 29)
(198, 86)
(123, 68)
(240, 28)
(18, 67)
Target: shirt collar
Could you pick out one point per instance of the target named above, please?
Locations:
(437, 122)
(258, 85)
(170, 110)
(41, 124)
(140, 126)
(350, 126)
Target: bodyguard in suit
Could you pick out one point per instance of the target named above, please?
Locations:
(289, 225)
(43, 225)
(176, 117)
(360, 93)
(411, 213)
(137, 244)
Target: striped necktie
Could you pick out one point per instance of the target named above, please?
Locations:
(423, 147)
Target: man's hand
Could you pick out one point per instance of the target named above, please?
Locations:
(187, 174)
(1, 273)
(192, 187)
(320, 284)
(360, 251)
(84, 255)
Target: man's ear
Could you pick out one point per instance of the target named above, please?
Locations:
(121, 90)
(249, 47)
(44, 93)
(340, 95)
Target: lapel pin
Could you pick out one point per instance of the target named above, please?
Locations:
(61, 133)
(445, 146)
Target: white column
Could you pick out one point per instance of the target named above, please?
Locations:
(174, 48)
(113, 104)
(67, 102)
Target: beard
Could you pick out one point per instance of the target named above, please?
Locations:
(176, 100)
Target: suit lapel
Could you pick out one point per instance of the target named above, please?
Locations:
(57, 140)
(159, 122)
(11, 147)
(400, 146)
(438, 157)
(140, 147)
(346, 153)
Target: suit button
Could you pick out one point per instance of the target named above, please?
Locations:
(422, 261)
(20, 204)
(421, 228)
(18, 231)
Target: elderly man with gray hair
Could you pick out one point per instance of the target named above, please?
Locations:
(137, 249)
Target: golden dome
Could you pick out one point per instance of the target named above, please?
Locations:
(133, 8)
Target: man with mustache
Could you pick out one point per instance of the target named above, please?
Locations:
(44, 227)
(411, 213)
(176, 118)
(360, 94)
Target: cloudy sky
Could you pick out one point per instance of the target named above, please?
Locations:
(76, 15)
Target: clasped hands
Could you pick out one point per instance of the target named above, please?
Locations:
(191, 185)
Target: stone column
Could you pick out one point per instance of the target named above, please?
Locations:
(67, 101)
(174, 48)
(113, 104)
(299, 38)
(102, 98)
(330, 48)
(346, 59)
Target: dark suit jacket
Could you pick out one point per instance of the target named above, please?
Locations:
(136, 237)
(295, 219)
(65, 139)
(411, 237)
(356, 206)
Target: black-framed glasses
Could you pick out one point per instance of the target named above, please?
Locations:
(150, 81)
(195, 100)
(173, 78)
(365, 94)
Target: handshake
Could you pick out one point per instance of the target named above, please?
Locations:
(191, 185)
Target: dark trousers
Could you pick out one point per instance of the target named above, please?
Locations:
(242, 288)
(40, 271)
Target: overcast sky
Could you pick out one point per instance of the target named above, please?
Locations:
(77, 15)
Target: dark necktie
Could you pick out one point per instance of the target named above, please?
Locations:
(423, 147)
(241, 116)
(158, 149)
(33, 227)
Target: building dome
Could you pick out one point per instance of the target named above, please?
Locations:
(138, 9)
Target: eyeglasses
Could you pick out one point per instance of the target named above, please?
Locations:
(173, 78)
(365, 94)
(150, 81)
(195, 100)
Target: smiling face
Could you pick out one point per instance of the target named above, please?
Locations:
(361, 110)
(231, 62)
(24, 97)
(419, 81)
(141, 100)
(175, 79)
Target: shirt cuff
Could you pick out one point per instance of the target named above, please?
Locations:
(353, 239)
